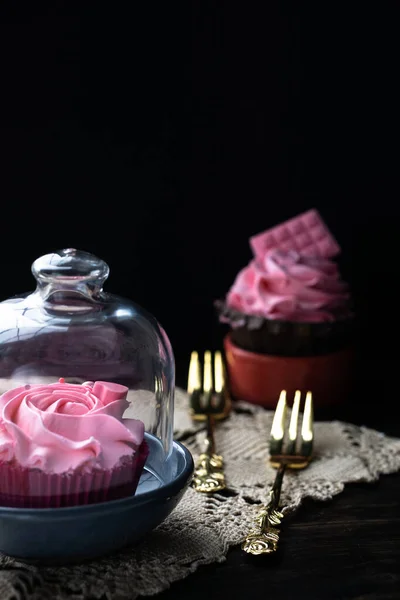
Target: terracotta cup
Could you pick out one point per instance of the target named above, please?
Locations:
(259, 378)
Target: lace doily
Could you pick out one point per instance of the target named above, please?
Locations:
(201, 529)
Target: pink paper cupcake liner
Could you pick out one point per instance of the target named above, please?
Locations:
(22, 487)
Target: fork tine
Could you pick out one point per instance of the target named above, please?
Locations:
(278, 425)
(218, 373)
(294, 419)
(207, 373)
(194, 382)
(221, 401)
(194, 377)
(307, 433)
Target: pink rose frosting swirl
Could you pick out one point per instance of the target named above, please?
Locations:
(290, 287)
(62, 426)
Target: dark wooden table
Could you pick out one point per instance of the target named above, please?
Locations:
(348, 548)
(344, 549)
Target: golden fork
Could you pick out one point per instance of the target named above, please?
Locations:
(289, 449)
(209, 402)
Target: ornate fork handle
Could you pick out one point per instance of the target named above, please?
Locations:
(209, 472)
(263, 538)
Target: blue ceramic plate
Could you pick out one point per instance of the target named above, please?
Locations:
(77, 533)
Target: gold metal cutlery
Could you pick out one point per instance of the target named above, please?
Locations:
(290, 447)
(209, 402)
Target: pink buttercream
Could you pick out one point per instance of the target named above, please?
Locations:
(64, 426)
(290, 287)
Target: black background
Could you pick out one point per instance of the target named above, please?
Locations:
(161, 136)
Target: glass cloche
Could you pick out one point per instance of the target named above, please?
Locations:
(70, 330)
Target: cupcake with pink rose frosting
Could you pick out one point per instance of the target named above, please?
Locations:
(65, 444)
(287, 308)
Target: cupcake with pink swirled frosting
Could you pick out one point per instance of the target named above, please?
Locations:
(66, 444)
(289, 302)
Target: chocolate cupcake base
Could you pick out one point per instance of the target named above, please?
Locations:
(287, 338)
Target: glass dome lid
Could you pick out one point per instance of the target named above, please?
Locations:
(70, 331)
